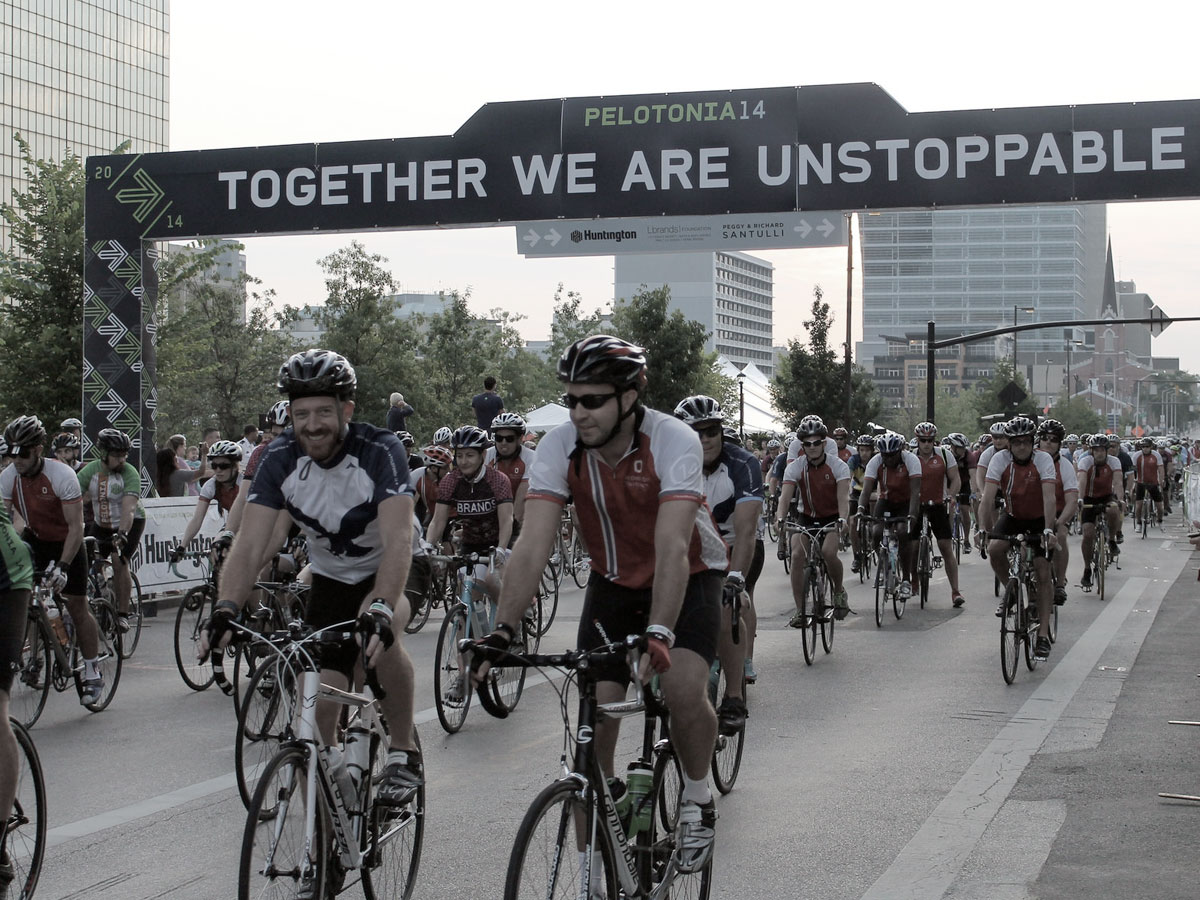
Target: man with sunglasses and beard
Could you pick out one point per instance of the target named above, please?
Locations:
(658, 560)
(46, 492)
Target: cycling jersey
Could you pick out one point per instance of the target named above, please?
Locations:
(40, 498)
(817, 486)
(224, 494)
(935, 476)
(618, 506)
(335, 502)
(426, 490)
(107, 489)
(16, 566)
(858, 470)
(1098, 478)
(474, 502)
(779, 466)
(1065, 481)
(736, 479)
(844, 454)
(1147, 466)
(966, 465)
(1022, 483)
(516, 467)
(253, 462)
(894, 485)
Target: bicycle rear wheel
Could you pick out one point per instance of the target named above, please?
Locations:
(452, 692)
(393, 840)
(276, 859)
(545, 863)
(660, 845)
(31, 683)
(130, 639)
(546, 608)
(581, 563)
(1029, 626)
(109, 659)
(1010, 631)
(811, 611)
(727, 751)
(1100, 567)
(881, 598)
(423, 607)
(193, 611)
(25, 831)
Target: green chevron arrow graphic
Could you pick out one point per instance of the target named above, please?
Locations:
(145, 195)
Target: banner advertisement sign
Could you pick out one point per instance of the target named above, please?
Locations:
(166, 520)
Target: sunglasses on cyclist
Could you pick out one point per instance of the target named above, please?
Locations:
(221, 467)
(924, 440)
(505, 438)
(22, 453)
(817, 443)
(587, 401)
(711, 431)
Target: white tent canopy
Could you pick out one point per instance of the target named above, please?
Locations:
(546, 417)
(761, 414)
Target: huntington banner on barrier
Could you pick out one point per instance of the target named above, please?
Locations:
(166, 520)
(707, 153)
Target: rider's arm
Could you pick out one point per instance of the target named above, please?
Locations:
(395, 527)
(987, 505)
(279, 535)
(955, 480)
(673, 531)
(437, 526)
(914, 496)
(242, 565)
(234, 520)
(843, 498)
(73, 513)
(518, 504)
(745, 528)
(529, 557)
(864, 499)
(1049, 501)
(196, 522)
(1069, 508)
(504, 516)
(128, 507)
(785, 501)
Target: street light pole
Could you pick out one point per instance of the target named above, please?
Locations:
(741, 380)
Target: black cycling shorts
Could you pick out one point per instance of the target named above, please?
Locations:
(1007, 525)
(417, 586)
(14, 610)
(104, 538)
(330, 602)
(1092, 507)
(939, 521)
(46, 552)
(622, 611)
(1151, 489)
(897, 511)
(756, 567)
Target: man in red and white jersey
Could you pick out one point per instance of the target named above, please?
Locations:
(1151, 475)
(1050, 434)
(821, 484)
(1101, 491)
(513, 459)
(840, 437)
(658, 559)
(939, 483)
(897, 472)
(1027, 477)
(49, 499)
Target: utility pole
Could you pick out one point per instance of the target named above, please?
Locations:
(849, 312)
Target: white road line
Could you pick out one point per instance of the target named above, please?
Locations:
(928, 865)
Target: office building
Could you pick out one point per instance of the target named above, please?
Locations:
(730, 293)
(974, 269)
(80, 74)
(226, 270)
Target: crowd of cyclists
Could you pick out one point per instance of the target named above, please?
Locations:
(672, 509)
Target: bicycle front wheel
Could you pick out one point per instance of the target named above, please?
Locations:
(1029, 626)
(1010, 632)
(193, 611)
(660, 846)
(277, 861)
(25, 832)
(881, 599)
(727, 751)
(812, 611)
(581, 563)
(546, 863)
(263, 722)
(451, 690)
(131, 638)
(827, 622)
(31, 683)
(1101, 566)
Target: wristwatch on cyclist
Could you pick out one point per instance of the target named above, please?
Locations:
(661, 633)
(1048, 531)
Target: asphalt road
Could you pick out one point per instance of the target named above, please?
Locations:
(898, 766)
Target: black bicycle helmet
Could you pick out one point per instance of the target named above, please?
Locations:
(112, 440)
(64, 441)
(24, 431)
(698, 408)
(469, 437)
(317, 373)
(842, 433)
(603, 359)
(864, 440)
(1098, 440)
(1020, 426)
(1051, 428)
(730, 433)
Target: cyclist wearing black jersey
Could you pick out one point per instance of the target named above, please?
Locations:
(346, 485)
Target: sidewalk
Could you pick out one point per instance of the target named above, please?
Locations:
(1118, 839)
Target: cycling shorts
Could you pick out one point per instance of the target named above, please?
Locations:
(897, 511)
(330, 602)
(756, 567)
(1092, 506)
(623, 611)
(1006, 524)
(104, 538)
(939, 521)
(1151, 489)
(46, 552)
(14, 610)
(419, 578)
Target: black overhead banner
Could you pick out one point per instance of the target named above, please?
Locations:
(776, 149)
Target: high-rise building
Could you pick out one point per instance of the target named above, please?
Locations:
(974, 269)
(83, 74)
(730, 293)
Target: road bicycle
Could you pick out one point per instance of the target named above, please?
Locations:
(1018, 623)
(957, 533)
(472, 617)
(816, 606)
(195, 609)
(927, 557)
(1102, 555)
(727, 750)
(278, 604)
(441, 593)
(50, 658)
(314, 818)
(573, 840)
(770, 507)
(25, 831)
(888, 573)
(868, 555)
(100, 584)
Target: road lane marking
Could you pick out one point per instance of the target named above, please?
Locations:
(929, 864)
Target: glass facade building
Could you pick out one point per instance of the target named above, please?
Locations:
(81, 74)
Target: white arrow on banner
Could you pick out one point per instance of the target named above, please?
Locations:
(553, 237)
(826, 227)
(804, 228)
(531, 238)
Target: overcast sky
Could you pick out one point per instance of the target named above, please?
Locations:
(245, 74)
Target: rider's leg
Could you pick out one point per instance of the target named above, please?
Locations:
(833, 563)
(1089, 538)
(122, 583)
(1045, 595)
(1062, 556)
(946, 546)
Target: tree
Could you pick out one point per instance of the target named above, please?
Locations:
(989, 392)
(811, 381)
(1076, 415)
(41, 275)
(216, 364)
(568, 324)
(952, 412)
(359, 320)
(677, 363)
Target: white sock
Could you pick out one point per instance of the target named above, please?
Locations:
(696, 791)
(89, 668)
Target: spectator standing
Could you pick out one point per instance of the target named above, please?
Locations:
(487, 405)
(176, 481)
(398, 412)
(249, 440)
(178, 445)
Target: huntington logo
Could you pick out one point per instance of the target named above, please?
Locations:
(578, 236)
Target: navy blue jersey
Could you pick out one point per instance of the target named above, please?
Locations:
(336, 503)
(736, 479)
(778, 466)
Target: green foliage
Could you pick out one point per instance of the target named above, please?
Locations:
(811, 380)
(989, 392)
(1166, 398)
(568, 324)
(952, 412)
(214, 366)
(1076, 414)
(677, 363)
(41, 275)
